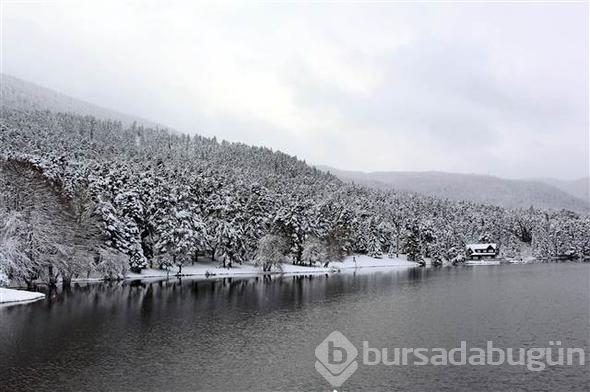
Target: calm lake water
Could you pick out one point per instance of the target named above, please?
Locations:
(260, 334)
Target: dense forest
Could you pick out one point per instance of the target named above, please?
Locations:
(82, 196)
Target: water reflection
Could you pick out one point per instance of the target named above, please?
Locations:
(259, 333)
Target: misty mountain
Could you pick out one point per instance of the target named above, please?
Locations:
(18, 94)
(578, 188)
(473, 187)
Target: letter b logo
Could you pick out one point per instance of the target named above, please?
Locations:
(336, 355)
(336, 359)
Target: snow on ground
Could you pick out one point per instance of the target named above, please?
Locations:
(209, 268)
(364, 261)
(522, 260)
(200, 268)
(516, 260)
(18, 296)
(483, 262)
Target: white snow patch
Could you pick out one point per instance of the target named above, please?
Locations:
(521, 260)
(364, 261)
(18, 296)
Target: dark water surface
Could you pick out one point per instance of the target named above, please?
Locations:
(261, 334)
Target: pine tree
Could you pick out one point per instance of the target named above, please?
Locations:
(412, 246)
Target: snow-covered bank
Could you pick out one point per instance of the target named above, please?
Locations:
(364, 261)
(10, 296)
(213, 268)
(483, 262)
(519, 260)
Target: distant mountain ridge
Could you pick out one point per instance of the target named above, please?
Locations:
(483, 189)
(17, 94)
(579, 188)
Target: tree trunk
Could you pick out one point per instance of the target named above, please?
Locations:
(52, 277)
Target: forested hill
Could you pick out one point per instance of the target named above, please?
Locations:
(139, 196)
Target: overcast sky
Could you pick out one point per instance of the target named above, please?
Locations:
(497, 89)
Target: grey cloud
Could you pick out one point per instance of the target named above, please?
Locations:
(490, 88)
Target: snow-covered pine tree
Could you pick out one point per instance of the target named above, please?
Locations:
(412, 246)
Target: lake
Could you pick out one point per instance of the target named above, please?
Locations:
(261, 333)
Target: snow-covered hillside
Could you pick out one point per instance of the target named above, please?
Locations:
(82, 196)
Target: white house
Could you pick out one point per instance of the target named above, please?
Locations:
(478, 251)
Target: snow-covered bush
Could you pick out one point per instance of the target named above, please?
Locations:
(111, 265)
(4, 281)
(314, 251)
(271, 252)
(15, 262)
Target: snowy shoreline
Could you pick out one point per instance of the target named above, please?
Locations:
(210, 269)
(11, 296)
(213, 270)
